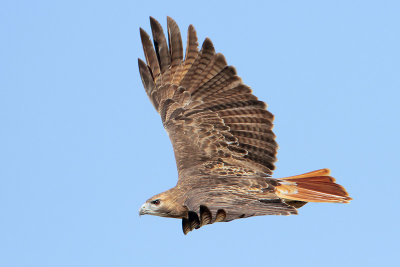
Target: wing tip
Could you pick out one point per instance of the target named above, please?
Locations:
(170, 20)
(220, 58)
(142, 32)
(208, 41)
(154, 23)
(172, 23)
(208, 45)
(144, 37)
(141, 63)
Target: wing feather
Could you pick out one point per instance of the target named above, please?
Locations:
(193, 75)
(210, 115)
(150, 54)
(225, 80)
(191, 54)
(175, 44)
(160, 45)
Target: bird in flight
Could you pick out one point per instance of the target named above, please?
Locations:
(222, 138)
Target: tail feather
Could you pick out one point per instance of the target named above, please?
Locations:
(316, 186)
(322, 172)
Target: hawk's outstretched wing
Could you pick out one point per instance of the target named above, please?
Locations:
(209, 114)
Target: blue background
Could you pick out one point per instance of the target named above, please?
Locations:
(81, 147)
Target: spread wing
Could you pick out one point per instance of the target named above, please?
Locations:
(209, 114)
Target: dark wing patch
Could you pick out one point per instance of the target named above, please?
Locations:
(209, 114)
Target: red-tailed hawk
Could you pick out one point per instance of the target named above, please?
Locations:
(222, 138)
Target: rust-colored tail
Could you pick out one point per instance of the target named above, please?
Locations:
(316, 186)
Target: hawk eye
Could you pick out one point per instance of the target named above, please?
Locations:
(156, 202)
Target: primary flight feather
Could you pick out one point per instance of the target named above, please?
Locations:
(222, 138)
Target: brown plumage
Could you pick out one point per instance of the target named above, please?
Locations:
(222, 137)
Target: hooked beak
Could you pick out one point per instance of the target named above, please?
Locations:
(143, 209)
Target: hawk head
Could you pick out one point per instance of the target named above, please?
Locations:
(164, 205)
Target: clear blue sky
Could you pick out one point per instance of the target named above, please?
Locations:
(81, 147)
